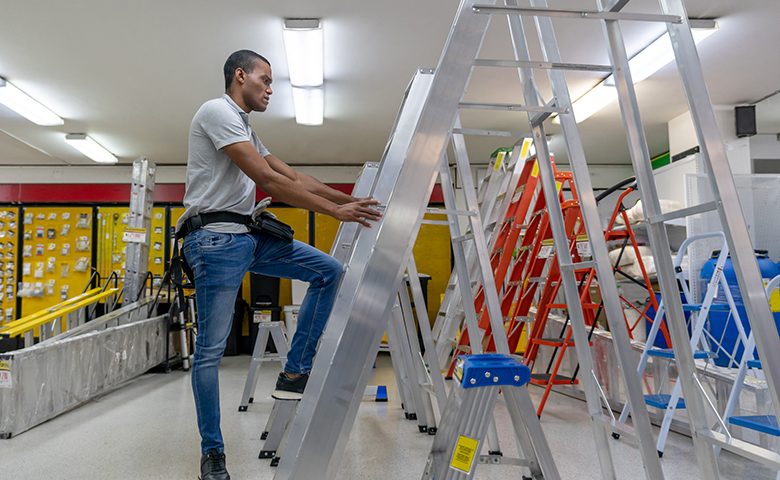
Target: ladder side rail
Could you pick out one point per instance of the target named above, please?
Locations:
(723, 187)
(471, 326)
(318, 435)
(622, 346)
(480, 244)
(397, 360)
(659, 245)
(425, 329)
(411, 349)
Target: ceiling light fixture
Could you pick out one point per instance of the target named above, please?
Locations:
(304, 46)
(26, 106)
(309, 105)
(645, 63)
(90, 148)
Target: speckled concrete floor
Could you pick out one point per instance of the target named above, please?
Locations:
(146, 430)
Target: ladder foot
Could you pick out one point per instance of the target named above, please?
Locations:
(263, 435)
(275, 462)
(251, 399)
(267, 454)
(660, 454)
(616, 436)
(412, 416)
(432, 431)
(422, 428)
(242, 408)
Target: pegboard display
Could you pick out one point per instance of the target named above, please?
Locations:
(9, 244)
(111, 249)
(56, 255)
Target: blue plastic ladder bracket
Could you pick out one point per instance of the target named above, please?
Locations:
(381, 393)
(754, 364)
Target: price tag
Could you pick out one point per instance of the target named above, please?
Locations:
(262, 316)
(546, 251)
(583, 248)
(134, 235)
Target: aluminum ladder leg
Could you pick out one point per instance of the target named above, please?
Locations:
(265, 330)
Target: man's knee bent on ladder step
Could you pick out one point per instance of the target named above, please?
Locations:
(226, 162)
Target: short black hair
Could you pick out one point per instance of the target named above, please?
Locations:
(243, 59)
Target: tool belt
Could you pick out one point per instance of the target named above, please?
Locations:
(265, 223)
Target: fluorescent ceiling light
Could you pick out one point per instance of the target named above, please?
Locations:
(303, 42)
(90, 148)
(309, 105)
(645, 63)
(26, 106)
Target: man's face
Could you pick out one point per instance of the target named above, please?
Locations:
(257, 87)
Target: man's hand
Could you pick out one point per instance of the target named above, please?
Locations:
(359, 211)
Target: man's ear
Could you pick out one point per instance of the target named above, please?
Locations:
(239, 75)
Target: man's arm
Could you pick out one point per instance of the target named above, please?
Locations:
(310, 183)
(287, 187)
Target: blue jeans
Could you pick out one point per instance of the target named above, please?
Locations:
(219, 262)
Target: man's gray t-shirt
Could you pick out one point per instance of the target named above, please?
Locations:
(214, 183)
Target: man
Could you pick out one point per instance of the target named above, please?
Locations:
(225, 164)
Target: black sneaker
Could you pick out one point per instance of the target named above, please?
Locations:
(212, 466)
(290, 388)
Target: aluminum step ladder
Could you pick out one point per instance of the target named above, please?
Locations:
(265, 330)
(761, 423)
(702, 348)
(318, 434)
(477, 381)
(139, 228)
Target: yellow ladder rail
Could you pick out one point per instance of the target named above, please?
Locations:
(38, 320)
(47, 310)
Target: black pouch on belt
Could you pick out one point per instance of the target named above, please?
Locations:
(268, 224)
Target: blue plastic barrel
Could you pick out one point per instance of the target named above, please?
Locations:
(721, 320)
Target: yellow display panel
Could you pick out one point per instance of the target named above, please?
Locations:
(56, 255)
(112, 249)
(325, 230)
(298, 219)
(9, 244)
(432, 256)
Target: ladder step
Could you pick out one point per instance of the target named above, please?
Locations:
(661, 402)
(715, 307)
(445, 211)
(579, 265)
(552, 342)
(541, 65)
(754, 364)
(684, 212)
(759, 423)
(544, 379)
(477, 132)
(584, 14)
(511, 107)
(669, 353)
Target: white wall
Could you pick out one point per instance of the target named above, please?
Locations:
(682, 137)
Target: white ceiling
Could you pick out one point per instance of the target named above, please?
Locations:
(131, 74)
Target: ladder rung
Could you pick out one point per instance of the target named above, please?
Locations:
(579, 265)
(759, 423)
(511, 107)
(552, 342)
(584, 14)
(435, 222)
(669, 353)
(662, 401)
(463, 238)
(544, 379)
(685, 212)
(477, 132)
(541, 65)
(616, 5)
(754, 364)
(445, 211)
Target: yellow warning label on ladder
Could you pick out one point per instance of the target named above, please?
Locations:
(464, 454)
